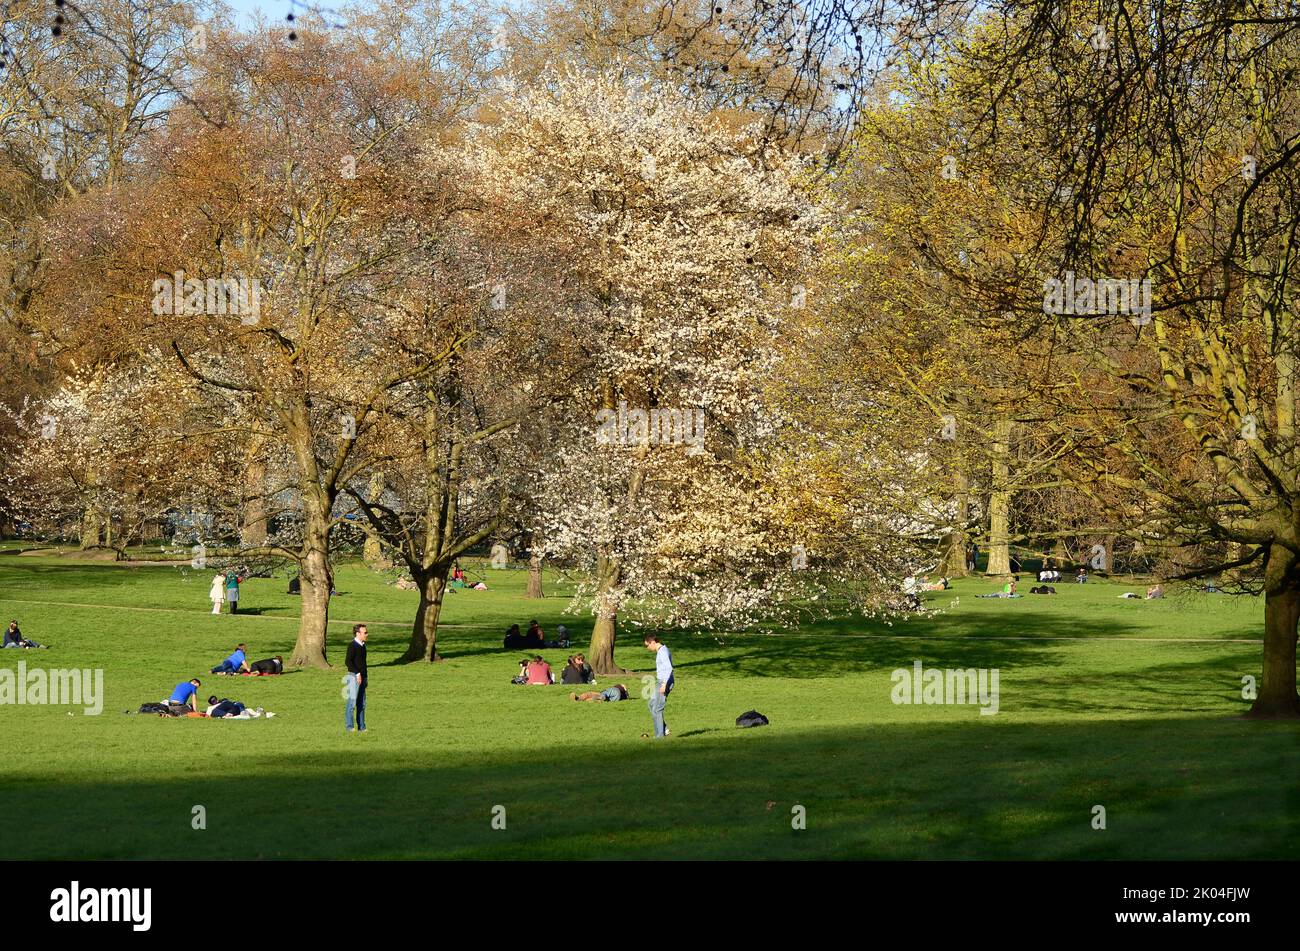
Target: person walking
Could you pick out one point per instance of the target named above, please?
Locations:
(357, 680)
(232, 591)
(664, 682)
(217, 593)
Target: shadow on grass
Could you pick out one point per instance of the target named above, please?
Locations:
(1171, 788)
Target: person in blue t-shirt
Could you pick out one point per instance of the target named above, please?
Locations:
(234, 664)
(185, 695)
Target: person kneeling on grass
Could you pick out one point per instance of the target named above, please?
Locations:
(236, 663)
(608, 695)
(185, 695)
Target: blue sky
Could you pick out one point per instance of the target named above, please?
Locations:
(274, 10)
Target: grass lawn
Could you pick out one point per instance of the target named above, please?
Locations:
(1125, 704)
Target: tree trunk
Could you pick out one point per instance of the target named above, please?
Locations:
(89, 536)
(424, 635)
(953, 557)
(1061, 554)
(534, 576)
(998, 548)
(1108, 555)
(314, 573)
(1277, 698)
(252, 532)
(999, 552)
(373, 552)
(600, 653)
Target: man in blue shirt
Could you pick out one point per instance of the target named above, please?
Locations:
(235, 663)
(185, 695)
(664, 682)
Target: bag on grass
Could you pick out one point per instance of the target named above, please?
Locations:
(752, 718)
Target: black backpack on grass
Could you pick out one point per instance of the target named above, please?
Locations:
(752, 718)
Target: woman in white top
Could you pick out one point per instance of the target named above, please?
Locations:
(217, 593)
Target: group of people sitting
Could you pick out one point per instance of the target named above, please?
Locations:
(184, 701)
(14, 638)
(537, 672)
(237, 663)
(535, 638)
(1009, 588)
(460, 580)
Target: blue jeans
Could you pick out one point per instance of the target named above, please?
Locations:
(225, 667)
(656, 704)
(356, 702)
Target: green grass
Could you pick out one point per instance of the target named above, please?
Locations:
(1125, 704)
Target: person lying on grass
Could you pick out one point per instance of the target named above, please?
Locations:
(272, 665)
(227, 709)
(14, 638)
(236, 663)
(1008, 591)
(224, 707)
(608, 695)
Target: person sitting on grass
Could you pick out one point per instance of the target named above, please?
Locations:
(911, 595)
(514, 639)
(1155, 591)
(14, 638)
(234, 664)
(1082, 576)
(608, 695)
(521, 678)
(577, 671)
(272, 665)
(535, 637)
(185, 695)
(538, 672)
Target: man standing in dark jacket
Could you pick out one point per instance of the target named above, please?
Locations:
(358, 680)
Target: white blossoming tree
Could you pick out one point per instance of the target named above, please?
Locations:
(683, 246)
